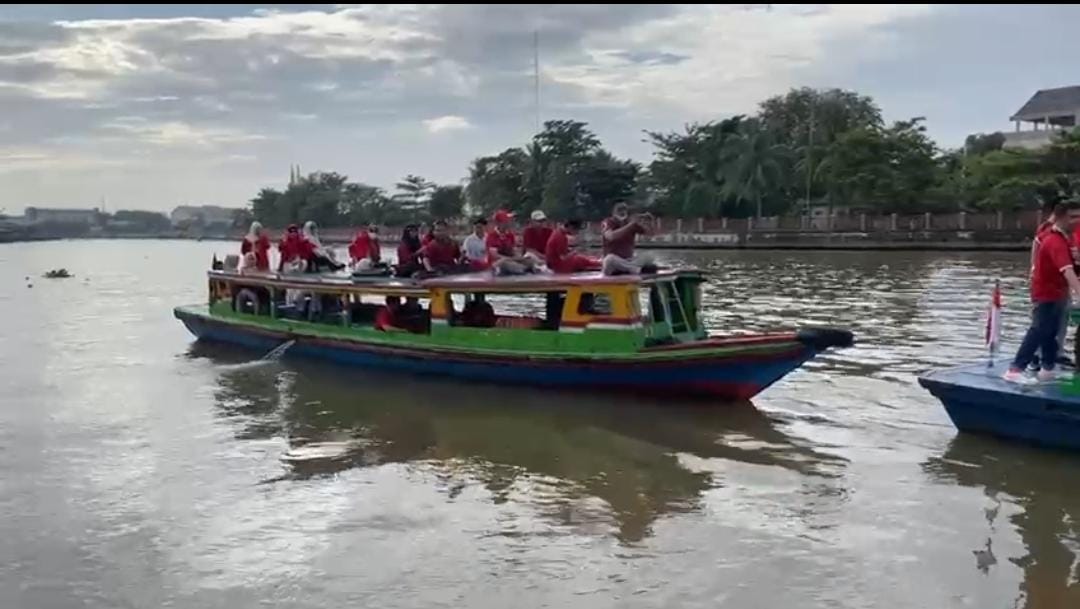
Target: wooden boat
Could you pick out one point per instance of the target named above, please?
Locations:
(587, 330)
(978, 400)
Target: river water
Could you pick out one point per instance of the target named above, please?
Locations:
(139, 469)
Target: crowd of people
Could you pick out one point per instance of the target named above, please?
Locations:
(493, 245)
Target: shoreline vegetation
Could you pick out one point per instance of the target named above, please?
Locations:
(809, 152)
(811, 169)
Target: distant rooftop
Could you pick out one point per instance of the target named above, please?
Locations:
(1063, 101)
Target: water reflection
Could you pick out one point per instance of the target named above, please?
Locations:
(1037, 482)
(581, 460)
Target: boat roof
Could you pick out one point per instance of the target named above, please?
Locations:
(472, 282)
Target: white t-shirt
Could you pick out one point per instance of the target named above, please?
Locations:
(474, 247)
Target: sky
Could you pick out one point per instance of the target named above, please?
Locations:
(153, 106)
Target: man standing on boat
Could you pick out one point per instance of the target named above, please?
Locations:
(1052, 280)
(558, 255)
(501, 243)
(619, 234)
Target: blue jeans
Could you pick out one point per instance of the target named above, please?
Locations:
(1042, 335)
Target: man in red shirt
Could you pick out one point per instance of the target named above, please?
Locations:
(441, 255)
(619, 233)
(558, 255)
(501, 243)
(1052, 280)
(535, 236)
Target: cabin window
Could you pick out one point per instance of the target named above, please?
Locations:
(594, 303)
(541, 311)
(652, 304)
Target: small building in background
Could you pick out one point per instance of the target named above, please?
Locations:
(54, 215)
(1048, 112)
(205, 216)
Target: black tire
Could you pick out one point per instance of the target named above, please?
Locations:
(248, 301)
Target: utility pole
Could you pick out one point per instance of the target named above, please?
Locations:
(536, 74)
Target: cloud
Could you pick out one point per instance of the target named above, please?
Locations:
(360, 88)
(177, 133)
(446, 123)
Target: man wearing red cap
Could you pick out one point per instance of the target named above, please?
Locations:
(501, 244)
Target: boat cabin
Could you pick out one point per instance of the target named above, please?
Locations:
(543, 313)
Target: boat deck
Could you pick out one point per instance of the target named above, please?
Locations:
(983, 378)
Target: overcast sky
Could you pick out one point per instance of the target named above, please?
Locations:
(154, 106)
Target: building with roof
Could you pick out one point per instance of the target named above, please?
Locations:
(41, 215)
(1048, 112)
(204, 215)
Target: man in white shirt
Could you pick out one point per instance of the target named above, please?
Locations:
(475, 247)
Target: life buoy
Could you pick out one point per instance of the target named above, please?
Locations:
(247, 301)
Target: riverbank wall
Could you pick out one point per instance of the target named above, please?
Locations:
(945, 232)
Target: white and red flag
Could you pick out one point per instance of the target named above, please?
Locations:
(993, 320)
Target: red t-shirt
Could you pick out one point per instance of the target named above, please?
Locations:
(535, 237)
(363, 246)
(1053, 258)
(555, 251)
(261, 248)
(500, 242)
(622, 247)
(406, 254)
(293, 247)
(441, 253)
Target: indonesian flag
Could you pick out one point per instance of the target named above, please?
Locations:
(993, 319)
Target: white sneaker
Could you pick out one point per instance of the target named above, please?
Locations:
(1013, 375)
(1045, 376)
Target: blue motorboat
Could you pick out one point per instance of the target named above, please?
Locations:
(978, 400)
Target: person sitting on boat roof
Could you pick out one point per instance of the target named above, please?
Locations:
(408, 252)
(427, 233)
(618, 234)
(317, 256)
(292, 249)
(560, 258)
(364, 251)
(442, 255)
(475, 245)
(500, 246)
(535, 236)
(1051, 282)
(257, 243)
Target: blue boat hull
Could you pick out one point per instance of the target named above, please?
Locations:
(734, 379)
(979, 401)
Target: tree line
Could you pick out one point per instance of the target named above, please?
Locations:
(808, 147)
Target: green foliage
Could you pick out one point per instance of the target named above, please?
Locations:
(563, 171)
(447, 202)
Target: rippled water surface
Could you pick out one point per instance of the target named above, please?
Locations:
(139, 469)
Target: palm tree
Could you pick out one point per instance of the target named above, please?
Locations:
(751, 165)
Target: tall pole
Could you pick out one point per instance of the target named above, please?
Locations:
(536, 74)
(809, 159)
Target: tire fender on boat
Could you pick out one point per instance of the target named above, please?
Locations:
(246, 300)
(820, 339)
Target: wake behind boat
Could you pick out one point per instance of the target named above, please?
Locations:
(582, 330)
